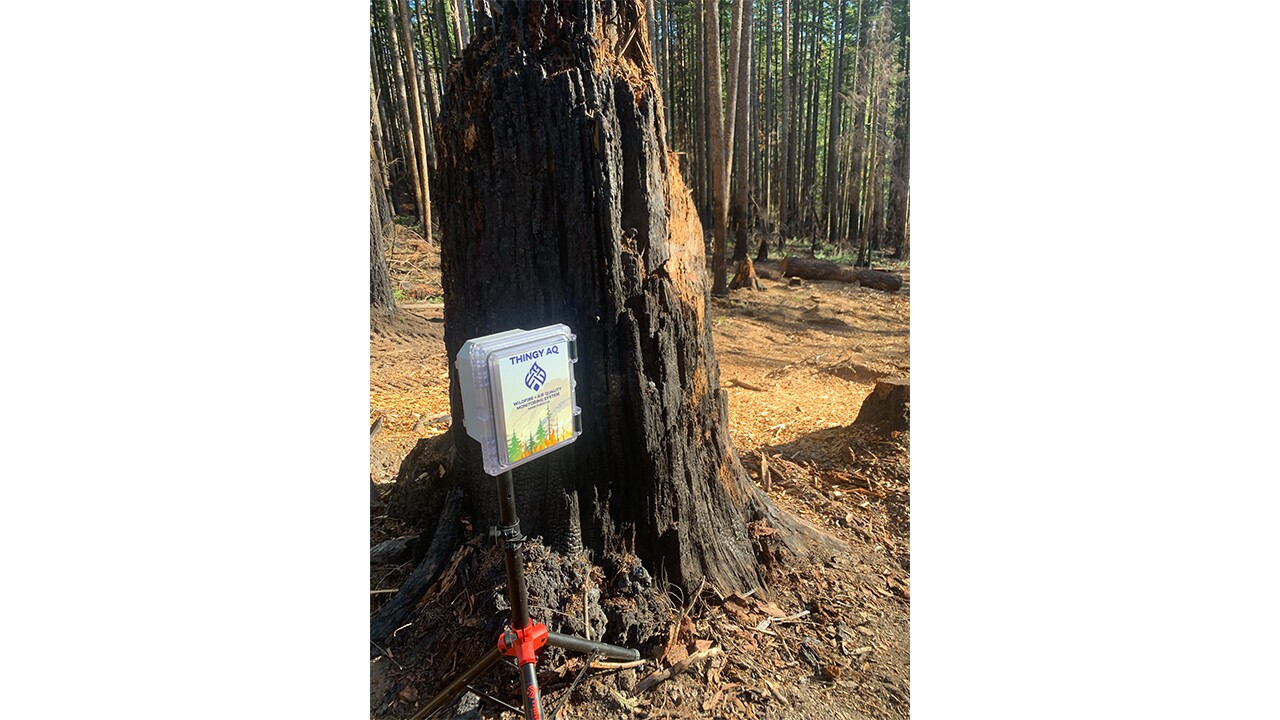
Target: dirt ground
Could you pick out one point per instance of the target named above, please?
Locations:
(826, 640)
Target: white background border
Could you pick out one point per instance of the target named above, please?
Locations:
(186, 384)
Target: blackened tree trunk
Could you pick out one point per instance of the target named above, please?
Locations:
(719, 151)
(785, 126)
(731, 91)
(831, 204)
(900, 182)
(741, 144)
(381, 182)
(442, 34)
(566, 206)
(381, 300)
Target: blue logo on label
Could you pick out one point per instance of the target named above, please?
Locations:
(535, 377)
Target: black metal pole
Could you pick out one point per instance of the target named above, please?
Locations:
(512, 539)
(517, 592)
(579, 645)
(532, 695)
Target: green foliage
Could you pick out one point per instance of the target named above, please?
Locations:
(409, 221)
(837, 254)
(398, 293)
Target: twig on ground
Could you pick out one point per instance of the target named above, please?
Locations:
(564, 699)
(791, 618)
(607, 665)
(386, 654)
(676, 669)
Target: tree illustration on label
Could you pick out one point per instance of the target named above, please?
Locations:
(536, 376)
(515, 448)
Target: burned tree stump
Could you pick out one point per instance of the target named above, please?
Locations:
(744, 276)
(768, 269)
(814, 269)
(888, 405)
(567, 206)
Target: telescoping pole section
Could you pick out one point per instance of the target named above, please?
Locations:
(529, 637)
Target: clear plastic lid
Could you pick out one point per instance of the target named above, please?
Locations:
(518, 394)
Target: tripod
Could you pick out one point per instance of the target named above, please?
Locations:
(523, 639)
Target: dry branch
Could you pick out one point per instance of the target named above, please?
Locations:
(676, 669)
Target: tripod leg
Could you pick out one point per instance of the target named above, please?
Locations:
(532, 694)
(451, 691)
(579, 645)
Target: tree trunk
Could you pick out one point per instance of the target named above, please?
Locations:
(432, 109)
(741, 173)
(731, 103)
(460, 24)
(784, 125)
(719, 195)
(612, 248)
(382, 183)
(767, 122)
(809, 178)
(900, 182)
(795, 113)
(444, 38)
(832, 206)
(381, 200)
(415, 109)
(411, 152)
(381, 300)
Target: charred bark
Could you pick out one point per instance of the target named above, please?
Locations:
(381, 299)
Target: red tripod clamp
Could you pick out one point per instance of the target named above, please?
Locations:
(523, 644)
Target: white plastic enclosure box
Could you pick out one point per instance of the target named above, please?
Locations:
(518, 394)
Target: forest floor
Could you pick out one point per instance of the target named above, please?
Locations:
(829, 639)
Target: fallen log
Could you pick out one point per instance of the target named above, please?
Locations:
(768, 269)
(879, 279)
(814, 269)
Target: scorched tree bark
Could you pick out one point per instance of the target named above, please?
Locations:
(565, 205)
